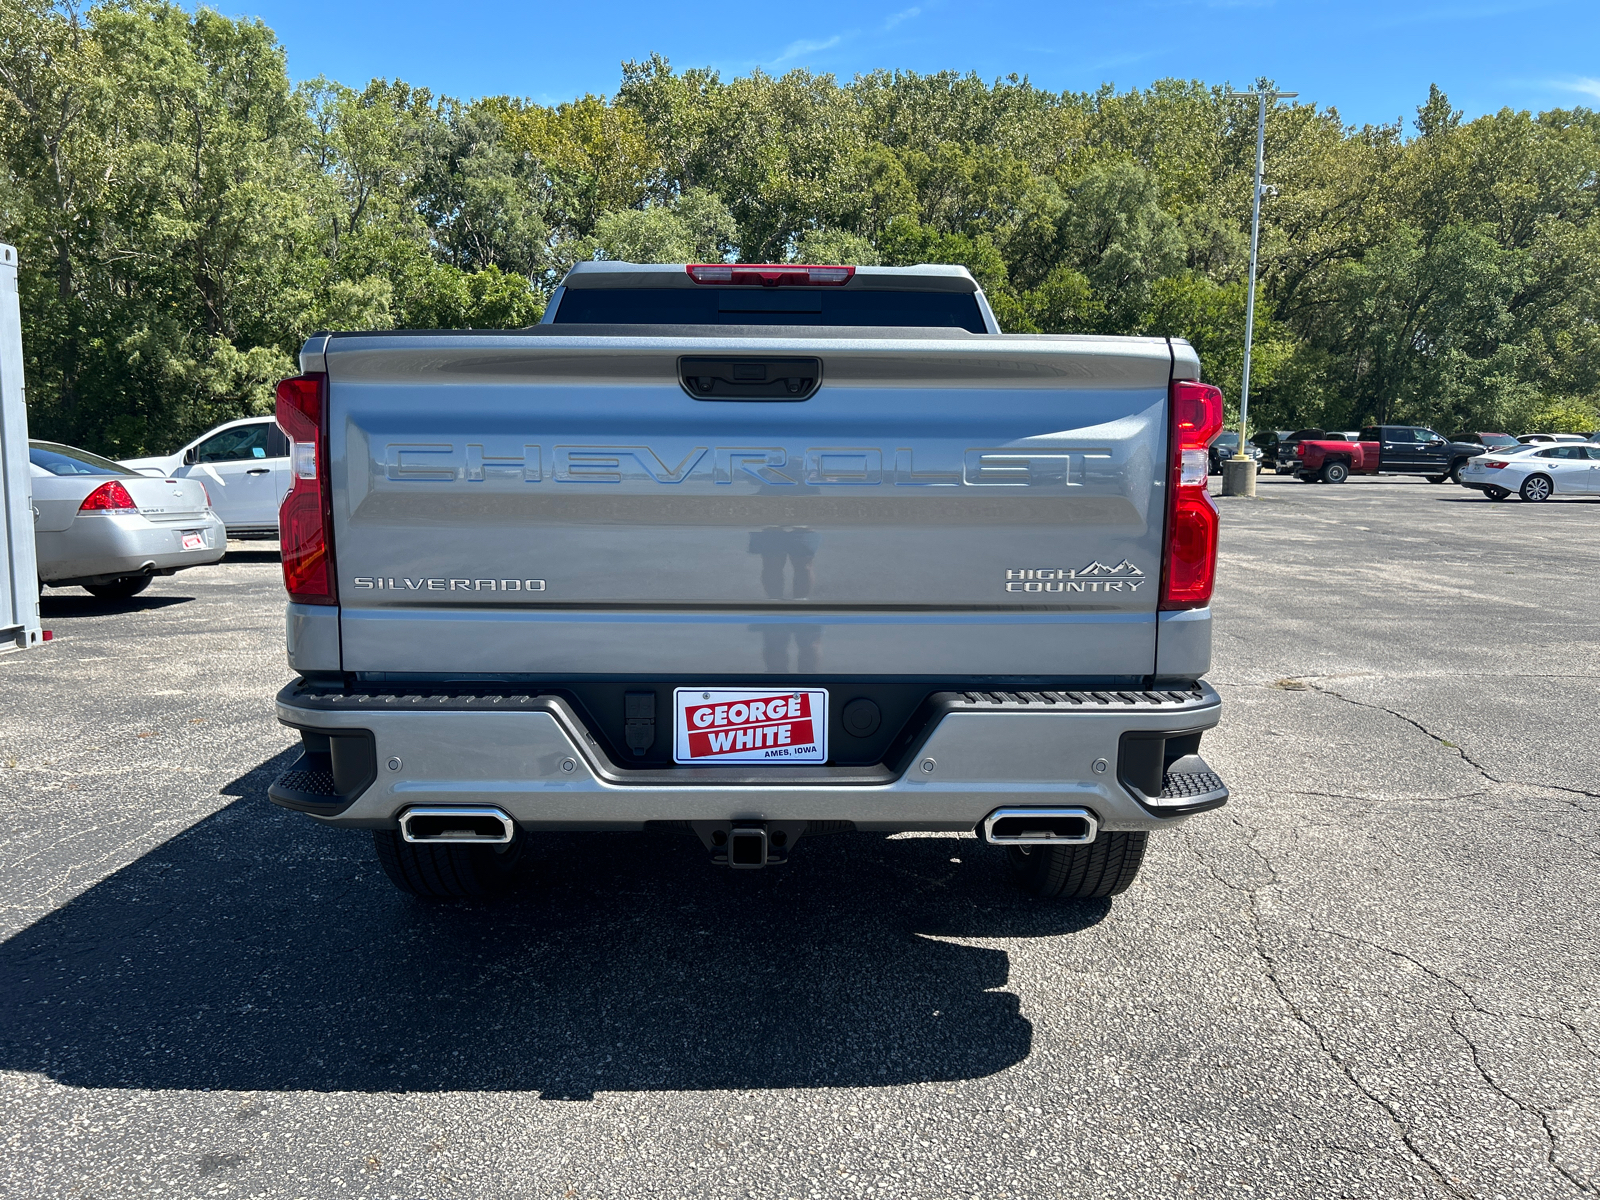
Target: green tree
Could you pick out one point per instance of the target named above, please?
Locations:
(186, 217)
(694, 227)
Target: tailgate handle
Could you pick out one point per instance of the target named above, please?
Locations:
(780, 379)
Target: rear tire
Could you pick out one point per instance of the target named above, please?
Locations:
(1437, 478)
(448, 872)
(1536, 488)
(1334, 472)
(1455, 470)
(1495, 493)
(118, 589)
(1105, 867)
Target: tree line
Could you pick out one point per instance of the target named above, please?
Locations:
(186, 215)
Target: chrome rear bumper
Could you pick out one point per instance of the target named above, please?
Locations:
(531, 757)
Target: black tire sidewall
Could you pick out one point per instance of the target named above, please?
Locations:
(1096, 871)
(450, 872)
(121, 589)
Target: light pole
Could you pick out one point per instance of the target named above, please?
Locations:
(1242, 481)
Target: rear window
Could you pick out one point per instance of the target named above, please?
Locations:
(69, 460)
(768, 306)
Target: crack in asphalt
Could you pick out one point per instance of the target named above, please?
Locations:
(1478, 1006)
(1270, 969)
(1460, 750)
(1407, 675)
(1577, 843)
(1375, 800)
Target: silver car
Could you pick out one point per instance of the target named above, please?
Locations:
(102, 527)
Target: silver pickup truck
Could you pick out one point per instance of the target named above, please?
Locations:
(756, 553)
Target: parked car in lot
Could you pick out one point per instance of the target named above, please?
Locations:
(106, 529)
(1536, 472)
(1268, 441)
(1225, 445)
(1529, 439)
(1489, 441)
(244, 466)
(1386, 450)
(1286, 455)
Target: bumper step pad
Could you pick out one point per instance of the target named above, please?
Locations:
(309, 788)
(1189, 785)
(1193, 785)
(1014, 701)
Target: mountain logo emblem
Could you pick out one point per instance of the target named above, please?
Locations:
(1099, 568)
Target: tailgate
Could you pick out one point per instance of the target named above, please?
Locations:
(536, 505)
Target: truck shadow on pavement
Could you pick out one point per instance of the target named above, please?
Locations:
(74, 604)
(258, 951)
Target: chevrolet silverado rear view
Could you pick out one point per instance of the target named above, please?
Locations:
(755, 553)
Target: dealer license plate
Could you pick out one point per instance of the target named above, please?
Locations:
(193, 541)
(750, 725)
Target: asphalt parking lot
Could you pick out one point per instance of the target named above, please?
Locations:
(1375, 974)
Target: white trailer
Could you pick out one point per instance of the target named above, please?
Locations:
(19, 572)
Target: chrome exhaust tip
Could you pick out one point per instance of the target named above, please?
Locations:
(457, 826)
(1040, 827)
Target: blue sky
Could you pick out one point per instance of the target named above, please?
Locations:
(1373, 60)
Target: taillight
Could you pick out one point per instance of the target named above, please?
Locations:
(769, 274)
(305, 522)
(1496, 466)
(108, 497)
(1190, 563)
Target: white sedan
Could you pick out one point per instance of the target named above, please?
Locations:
(244, 466)
(1536, 472)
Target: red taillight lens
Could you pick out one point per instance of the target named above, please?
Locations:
(769, 274)
(1196, 413)
(1191, 552)
(1496, 466)
(305, 522)
(108, 497)
(1190, 564)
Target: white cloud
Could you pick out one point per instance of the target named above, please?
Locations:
(897, 18)
(1585, 86)
(806, 46)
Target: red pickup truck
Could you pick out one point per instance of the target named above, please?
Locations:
(1383, 449)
